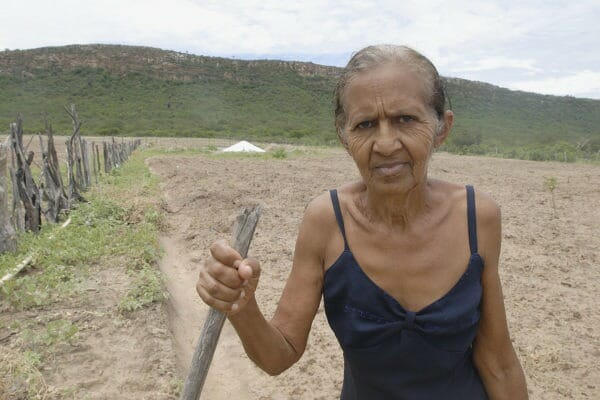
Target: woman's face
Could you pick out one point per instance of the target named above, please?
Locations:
(390, 131)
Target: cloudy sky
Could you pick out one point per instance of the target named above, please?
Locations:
(545, 46)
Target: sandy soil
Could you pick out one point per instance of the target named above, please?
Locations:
(549, 265)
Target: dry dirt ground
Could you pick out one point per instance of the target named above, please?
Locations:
(549, 264)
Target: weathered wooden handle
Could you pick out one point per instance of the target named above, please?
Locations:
(243, 231)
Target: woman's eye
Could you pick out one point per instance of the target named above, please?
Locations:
(365, 125)
(405, 119)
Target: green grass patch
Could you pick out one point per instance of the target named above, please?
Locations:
(147, 288)
(118, 224)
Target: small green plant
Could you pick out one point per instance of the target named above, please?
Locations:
(551, 184)
(279, 152)
(59, 331)
(176, 386)
(146, 289)
(56, 332)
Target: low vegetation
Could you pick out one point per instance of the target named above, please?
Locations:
(118, 228)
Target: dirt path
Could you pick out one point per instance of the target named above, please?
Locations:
(550, 263)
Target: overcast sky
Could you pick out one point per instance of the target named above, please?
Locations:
(545, 46)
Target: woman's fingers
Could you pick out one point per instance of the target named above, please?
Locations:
(226, 281)
(227, 275)
(217, 289)
(222, 252)
(249, 269)
(222, 305)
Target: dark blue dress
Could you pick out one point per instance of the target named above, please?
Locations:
(391, 353)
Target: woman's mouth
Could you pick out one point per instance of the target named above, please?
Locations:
(390, 169)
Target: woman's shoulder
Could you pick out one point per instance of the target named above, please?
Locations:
(485, 206)
(487, 210)
(319, 226)
(319, 213)
(319, 210)
(323, 203)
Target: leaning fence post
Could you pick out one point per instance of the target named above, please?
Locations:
(8, 237)
(26, 186)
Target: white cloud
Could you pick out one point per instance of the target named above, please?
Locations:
(519, 37)
(581, 84)
(492, 63)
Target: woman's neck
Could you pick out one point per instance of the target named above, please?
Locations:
(395, 210)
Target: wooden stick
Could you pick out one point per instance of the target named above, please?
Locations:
(16, 271)
(27, 260)
(242, 235)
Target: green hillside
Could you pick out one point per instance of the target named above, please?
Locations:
(126, 90)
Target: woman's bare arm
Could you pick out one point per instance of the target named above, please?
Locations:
(277, 344)
(494, 355)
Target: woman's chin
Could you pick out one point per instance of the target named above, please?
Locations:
(391, 184)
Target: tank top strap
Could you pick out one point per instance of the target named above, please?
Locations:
(472, 219)
(338, 215)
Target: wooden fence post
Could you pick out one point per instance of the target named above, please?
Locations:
(54, 191)
(97, 152)
(18, 214)
(86, 162)
(115, 161)
(78, 163)
(73, 162)
(106, 158)
(28, 190)
(8, 237)
(93, 146)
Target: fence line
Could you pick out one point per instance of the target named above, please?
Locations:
(50, 197)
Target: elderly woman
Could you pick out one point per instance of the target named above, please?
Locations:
(407, 265)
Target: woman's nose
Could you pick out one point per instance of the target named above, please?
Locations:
(387, 140)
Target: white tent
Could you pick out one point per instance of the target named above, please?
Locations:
(244, 146)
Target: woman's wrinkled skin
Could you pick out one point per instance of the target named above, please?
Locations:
(390, 132)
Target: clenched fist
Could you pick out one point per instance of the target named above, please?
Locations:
(226, 281)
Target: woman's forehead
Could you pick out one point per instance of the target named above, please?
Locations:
(393, 83)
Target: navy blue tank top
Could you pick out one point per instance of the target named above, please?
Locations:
(391, 353)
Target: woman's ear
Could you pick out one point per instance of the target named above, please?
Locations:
(443, 133)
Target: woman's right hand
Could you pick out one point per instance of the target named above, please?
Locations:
(226, 281)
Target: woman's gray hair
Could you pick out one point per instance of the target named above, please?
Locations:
(374, 56)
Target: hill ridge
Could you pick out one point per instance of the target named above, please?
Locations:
(124, 58)
(137, 90)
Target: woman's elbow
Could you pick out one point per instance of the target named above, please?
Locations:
(502, 374)
(495, 366)
(277, 365)
(275, 370)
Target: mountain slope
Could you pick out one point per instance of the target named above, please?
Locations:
(128, 90)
